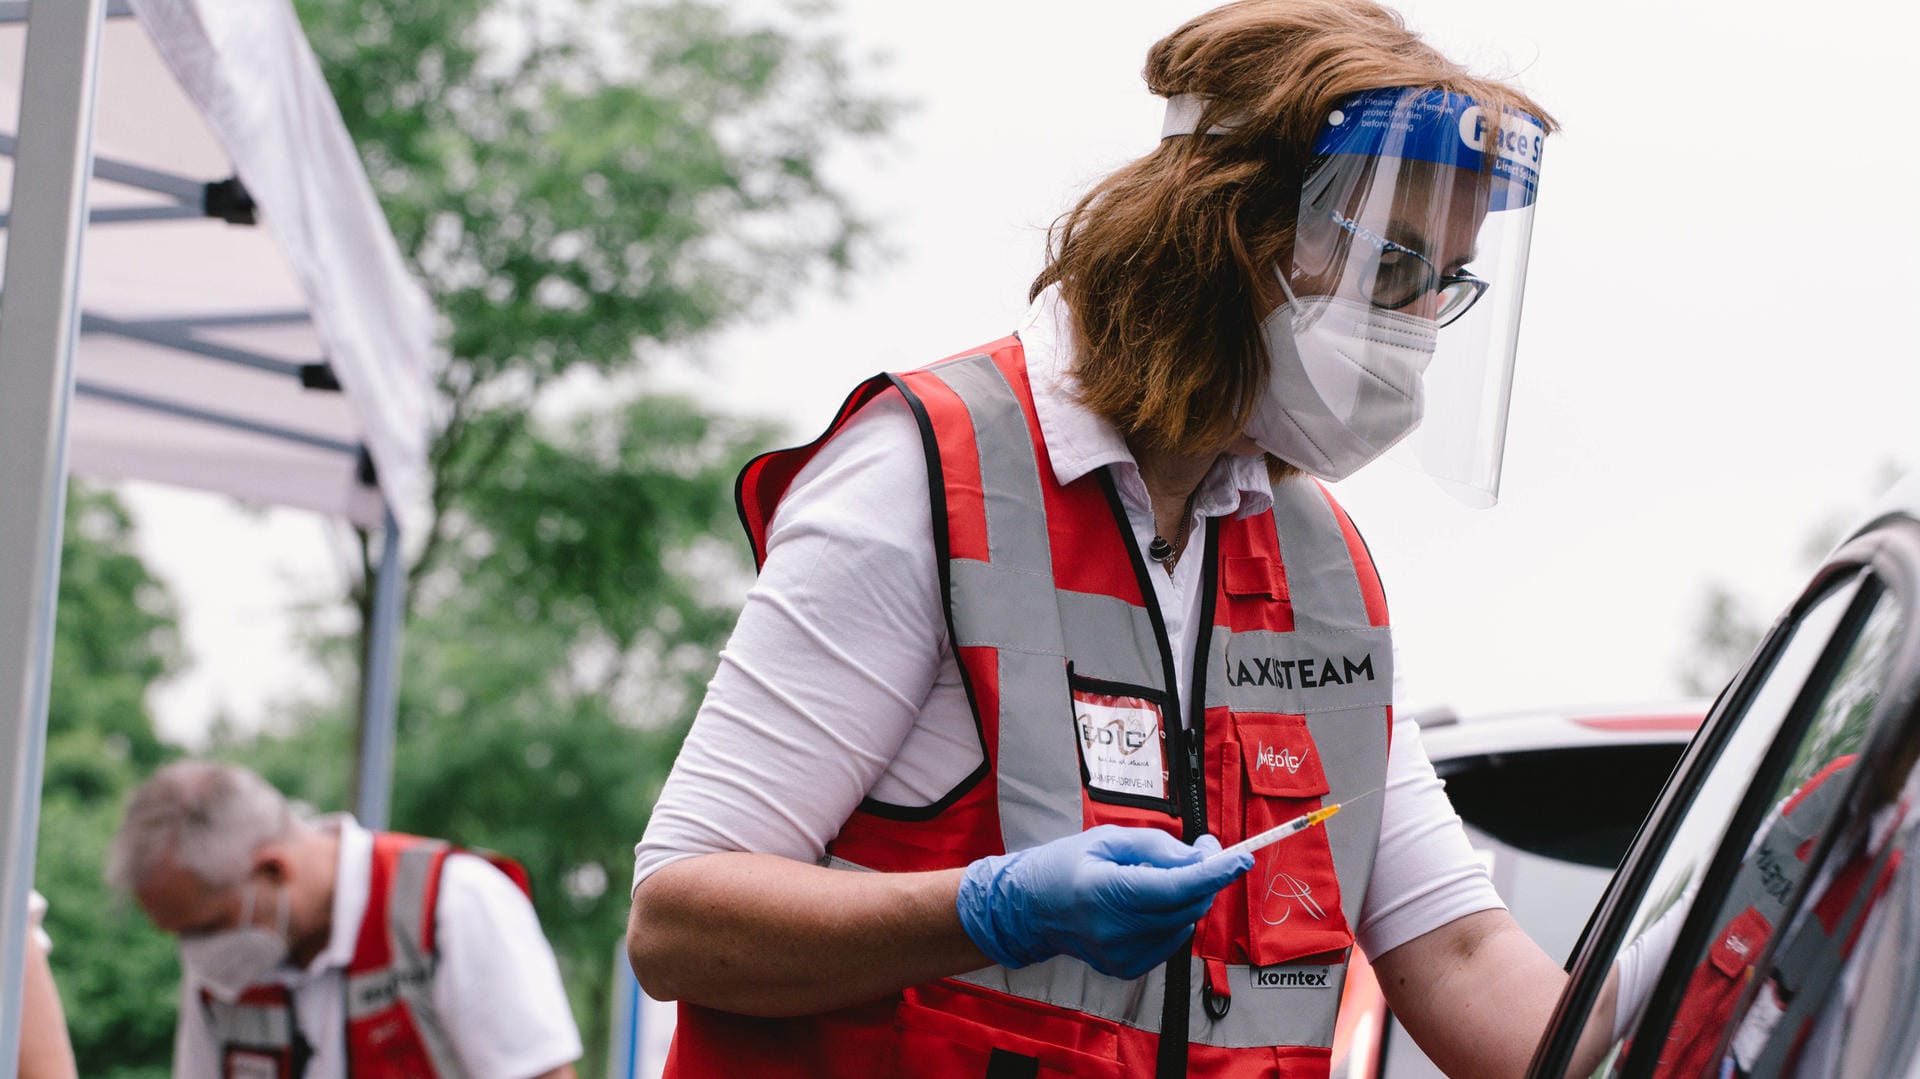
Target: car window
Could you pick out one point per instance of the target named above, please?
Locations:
(1578, 804)
(1552, 824)
(1743, 981)
(1740, 740)
(1833, 992)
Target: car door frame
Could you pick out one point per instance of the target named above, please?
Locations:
(1886, 557)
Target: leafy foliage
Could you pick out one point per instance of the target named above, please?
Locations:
(585, 186)
(114, 636)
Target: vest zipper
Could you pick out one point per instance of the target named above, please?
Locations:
(1189, 780)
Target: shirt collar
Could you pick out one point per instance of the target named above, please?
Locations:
(351, 884)
(1079, 441)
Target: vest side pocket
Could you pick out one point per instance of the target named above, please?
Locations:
(948, 1030)
(1293, 892)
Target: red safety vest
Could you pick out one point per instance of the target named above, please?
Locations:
(392, 1031)
(1047, 600)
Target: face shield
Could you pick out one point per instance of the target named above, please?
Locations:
(1405, 284)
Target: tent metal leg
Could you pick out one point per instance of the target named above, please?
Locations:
(39, 321)
(373, 778)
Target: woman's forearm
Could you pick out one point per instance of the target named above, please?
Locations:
(759, 934)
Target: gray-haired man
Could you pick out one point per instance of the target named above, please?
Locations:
(318, 949)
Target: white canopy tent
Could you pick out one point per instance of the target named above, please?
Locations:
(223, 307)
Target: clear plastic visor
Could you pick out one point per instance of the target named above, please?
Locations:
(1419, 208)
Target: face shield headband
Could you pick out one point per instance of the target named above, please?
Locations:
(1416, 214)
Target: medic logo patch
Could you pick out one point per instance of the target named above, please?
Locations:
(1123, 744)
(1280, 757)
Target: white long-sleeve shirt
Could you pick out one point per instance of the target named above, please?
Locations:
(839, 682)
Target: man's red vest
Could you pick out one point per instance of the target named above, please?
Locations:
(393, 1031)
(1049, 610)
(1754, 909)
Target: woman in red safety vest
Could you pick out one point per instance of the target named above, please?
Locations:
(1043, 625)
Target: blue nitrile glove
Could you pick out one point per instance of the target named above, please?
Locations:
(1121, 899)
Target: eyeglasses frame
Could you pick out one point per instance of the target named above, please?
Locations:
(1435, 280)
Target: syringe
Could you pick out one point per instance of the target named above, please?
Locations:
(1281, 831)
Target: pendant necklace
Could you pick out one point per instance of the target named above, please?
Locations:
(1168, 554)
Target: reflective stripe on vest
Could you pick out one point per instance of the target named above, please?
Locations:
(262, 1018)
(1766, 881)
(406, 976)
(1812, 962)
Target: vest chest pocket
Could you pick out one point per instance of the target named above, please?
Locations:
(1293, 892)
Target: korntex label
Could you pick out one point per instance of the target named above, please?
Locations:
(1294, 978)
(1300, 673)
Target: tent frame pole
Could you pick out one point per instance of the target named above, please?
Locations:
(39, 322)
(379, 707)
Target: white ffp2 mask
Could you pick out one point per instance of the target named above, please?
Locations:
(229, 961)
(1344, 383)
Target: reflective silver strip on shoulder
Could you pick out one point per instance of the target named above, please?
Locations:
(1038, 771)
(1321, 578)
(1356, 771)
(1333, 659)
(1778, 847)
(1259, 1016)
(409, 977)
(1812, 962)
(260, 1026)
(1112, 640)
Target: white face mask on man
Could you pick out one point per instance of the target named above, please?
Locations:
(1345, 382)
(229, 961)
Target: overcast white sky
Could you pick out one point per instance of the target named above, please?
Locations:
(1716, 353)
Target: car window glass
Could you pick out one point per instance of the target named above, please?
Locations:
(1704, 819)
(1552, 825)
(1810, 1008)
(1742, 1003)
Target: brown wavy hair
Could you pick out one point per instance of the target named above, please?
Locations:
(1166, 263)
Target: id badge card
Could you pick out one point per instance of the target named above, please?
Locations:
(1123, 746)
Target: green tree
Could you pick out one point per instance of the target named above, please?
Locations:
(114, 636)
(517, 714)
(585, 187)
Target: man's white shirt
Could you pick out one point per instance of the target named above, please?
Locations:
(838, 683)
(497, 988)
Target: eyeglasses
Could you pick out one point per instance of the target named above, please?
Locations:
(1401, 275)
